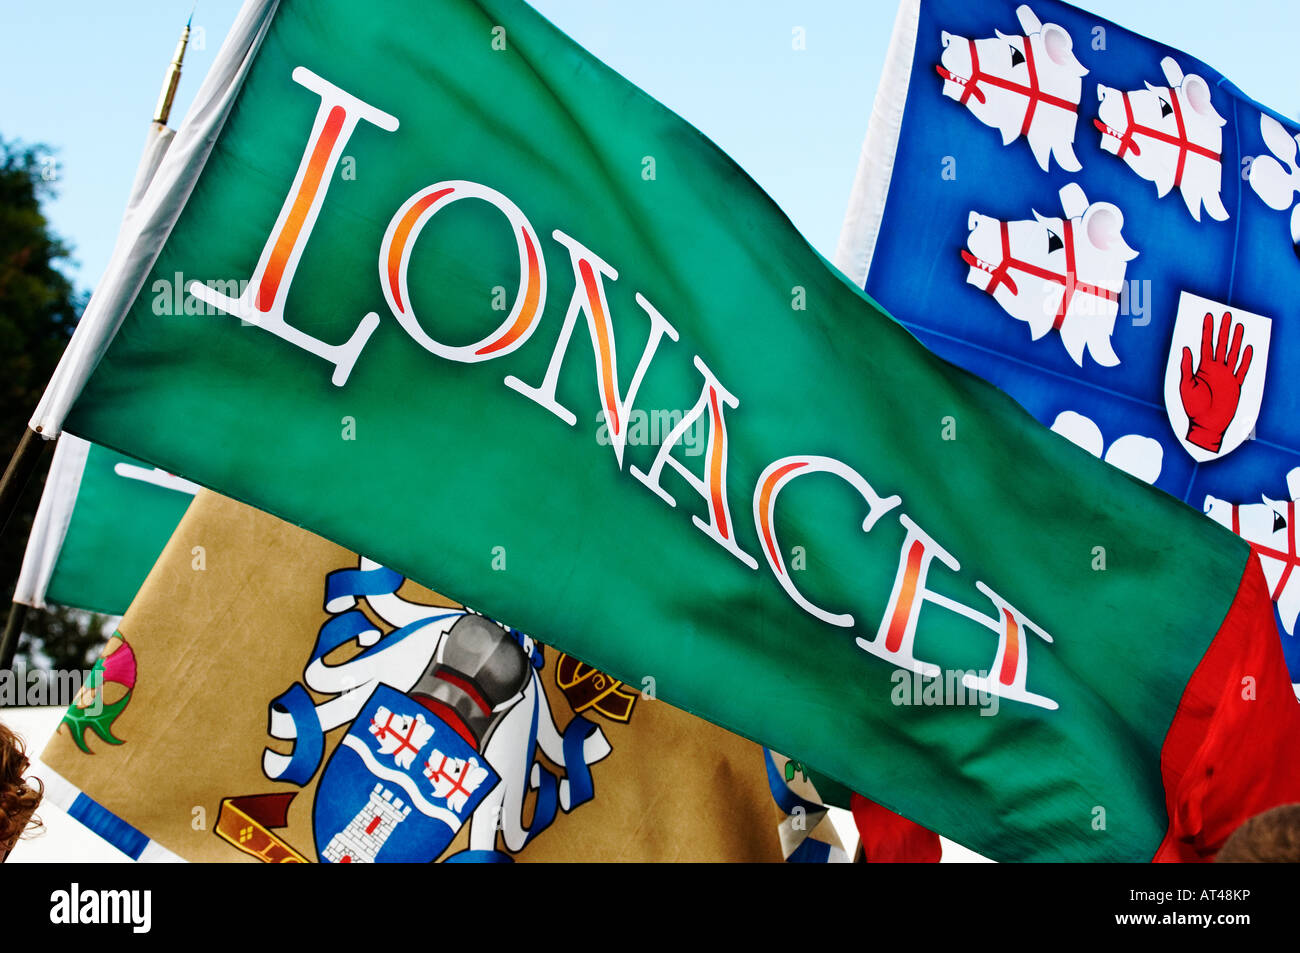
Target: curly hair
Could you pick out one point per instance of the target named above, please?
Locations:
(18, 799)
(1271, 837)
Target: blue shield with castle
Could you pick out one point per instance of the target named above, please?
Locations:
(399, 786)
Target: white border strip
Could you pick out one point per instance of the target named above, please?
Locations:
(50, 525)
(857, 243)
(61, 793)
(146, 228)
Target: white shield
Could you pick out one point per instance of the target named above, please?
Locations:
(1223, 393)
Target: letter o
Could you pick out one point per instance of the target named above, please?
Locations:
(395, 254)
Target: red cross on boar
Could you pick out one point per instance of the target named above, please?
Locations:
(403, 740)
(441, 772)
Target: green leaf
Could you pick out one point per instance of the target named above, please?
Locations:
(78, 722)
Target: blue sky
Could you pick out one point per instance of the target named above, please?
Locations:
(82, 77)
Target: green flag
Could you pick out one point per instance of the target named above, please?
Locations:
(428, 279)
(103, 520)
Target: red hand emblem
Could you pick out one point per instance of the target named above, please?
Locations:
(1210, 397)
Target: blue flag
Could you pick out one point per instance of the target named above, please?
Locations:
(1107, 229)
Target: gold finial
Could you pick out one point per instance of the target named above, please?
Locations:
(173, 77)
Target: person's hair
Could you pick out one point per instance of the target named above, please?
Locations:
(1271, 837)
(18, 799)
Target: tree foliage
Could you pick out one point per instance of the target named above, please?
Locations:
(39, 307)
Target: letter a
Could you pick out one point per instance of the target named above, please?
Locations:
(720, 527)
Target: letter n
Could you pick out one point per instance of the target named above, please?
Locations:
(589, 274)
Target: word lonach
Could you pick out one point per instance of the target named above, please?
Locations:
(262, 303)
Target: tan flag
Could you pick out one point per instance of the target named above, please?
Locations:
(272, 696)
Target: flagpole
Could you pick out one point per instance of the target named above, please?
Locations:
(163, 110)
(24, 462)
(22, 465)
(13, 632)
(33, 446)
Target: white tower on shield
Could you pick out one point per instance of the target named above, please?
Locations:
(361, 841)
